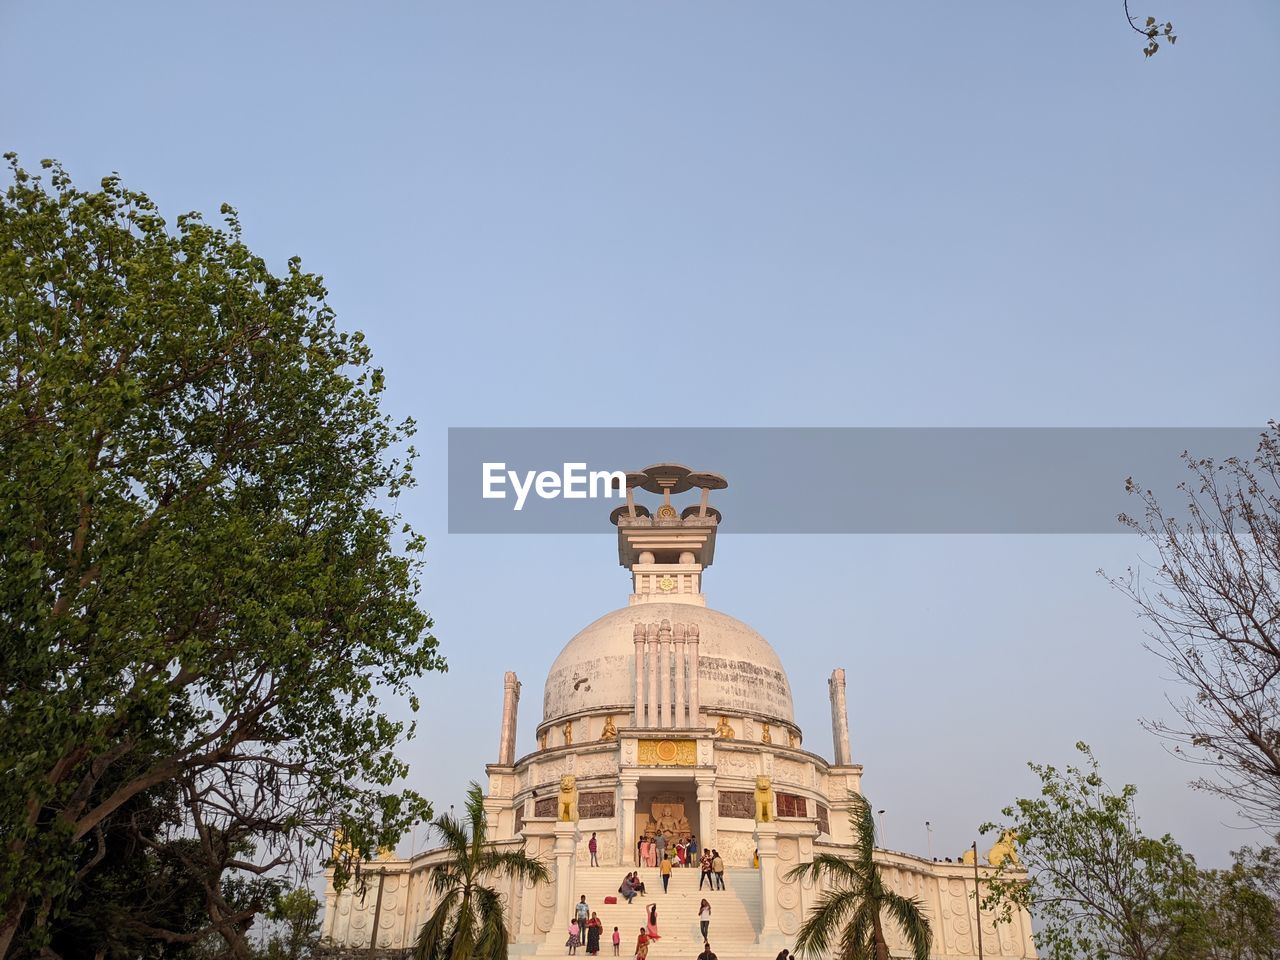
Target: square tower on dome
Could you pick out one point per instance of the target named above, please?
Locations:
(667, 550)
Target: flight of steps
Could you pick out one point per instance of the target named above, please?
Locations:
(735, 914)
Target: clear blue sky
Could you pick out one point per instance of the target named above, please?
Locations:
(747, 213)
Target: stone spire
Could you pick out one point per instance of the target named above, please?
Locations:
(510, 707)
(839, 718)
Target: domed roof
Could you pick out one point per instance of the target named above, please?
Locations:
(738, 670)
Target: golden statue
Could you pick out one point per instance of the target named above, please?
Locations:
(567, 804)
(610, 732)
(1004, 849)
(764, 800)
(542, 740)
(792, 740)
(766, 737)
(723, 730)
(967, 859)
(664, 819)
(568, 733)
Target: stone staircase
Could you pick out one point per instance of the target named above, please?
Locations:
(735, 914)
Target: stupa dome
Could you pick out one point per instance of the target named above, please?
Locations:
(738, 671)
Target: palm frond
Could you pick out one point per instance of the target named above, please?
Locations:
(827, 866)
(476, 815)
(824, 921)
(432, 936)
(454, 834)
(491, 937)
(512, 863)
(863, 821)
(908, 913)
(858, 939)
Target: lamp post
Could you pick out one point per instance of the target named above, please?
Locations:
(928, 827)
(977, 897)
(883, 842)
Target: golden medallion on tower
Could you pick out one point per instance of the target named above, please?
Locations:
(667, 512)
(667, 584)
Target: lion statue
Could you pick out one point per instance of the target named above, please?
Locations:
(1004, 849)
(764, 800)
(568, 802)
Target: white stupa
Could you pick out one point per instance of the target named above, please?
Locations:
(667, 716)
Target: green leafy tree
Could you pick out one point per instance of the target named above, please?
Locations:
(469, 919)
(1242, 907)
(848, 920)
(297, 917)
(1095, 884)
(201, 587)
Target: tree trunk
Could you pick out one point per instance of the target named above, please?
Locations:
(882, 948)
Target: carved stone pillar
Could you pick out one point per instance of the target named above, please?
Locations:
(651, 649)
(638, 636)
(510, 708)
(695, 698)
(680, 720)
(839, 719)
(628, 791)
(767, 846)
(664, 674)
(706, 797)
(564, 851)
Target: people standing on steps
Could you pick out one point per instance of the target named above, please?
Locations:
(594, 929)
(642, 945)
(691, 850)
(661, 845)
(680, 852)
(706, 953)
(717, 867)
(581, 912)
(653, 922)
(704, 917)
(593, 847)
(617, 941)
(666, 873)
(575, 935)
(706, 872)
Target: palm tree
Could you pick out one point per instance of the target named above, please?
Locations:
(469, 922)
(846, 922)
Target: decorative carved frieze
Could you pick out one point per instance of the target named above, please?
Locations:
(737, 803)
(668, 753)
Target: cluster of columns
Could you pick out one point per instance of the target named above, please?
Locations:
(666, 663)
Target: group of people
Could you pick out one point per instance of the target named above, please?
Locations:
(649, 932)
(652, 850)
(712, 865)
(586, 926)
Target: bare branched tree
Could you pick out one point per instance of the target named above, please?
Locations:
(1211, 599)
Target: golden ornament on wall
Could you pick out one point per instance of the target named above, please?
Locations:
(670, 753)
(667, 584)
